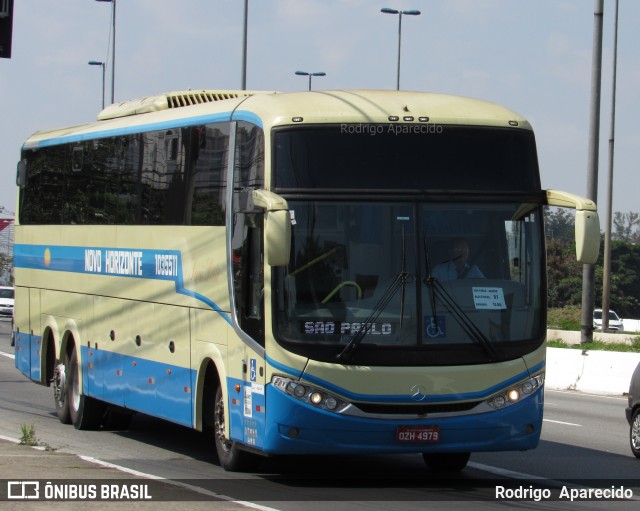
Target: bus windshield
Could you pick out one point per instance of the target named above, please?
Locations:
(390, 275)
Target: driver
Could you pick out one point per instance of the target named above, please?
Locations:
(457, 267)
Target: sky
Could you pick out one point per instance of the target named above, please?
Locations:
(534, 57)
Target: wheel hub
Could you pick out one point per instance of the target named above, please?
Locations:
(219, 426)
(635, 432)
(59, 382)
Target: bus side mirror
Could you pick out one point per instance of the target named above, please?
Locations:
(587, 230)
(277, 226)
(587, 237)
(21, 174)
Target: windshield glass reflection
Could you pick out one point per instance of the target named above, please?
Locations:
(422, 275)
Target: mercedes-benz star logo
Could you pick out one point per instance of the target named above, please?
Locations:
(418, 392)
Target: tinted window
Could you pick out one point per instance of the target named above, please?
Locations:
(397, 156)
(169, 177)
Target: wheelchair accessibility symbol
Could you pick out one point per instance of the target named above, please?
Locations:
(434, 326)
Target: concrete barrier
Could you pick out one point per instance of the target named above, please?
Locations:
(573, 337)
(631, 325)
(592, 371)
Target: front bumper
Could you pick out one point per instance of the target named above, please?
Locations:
(298, 428)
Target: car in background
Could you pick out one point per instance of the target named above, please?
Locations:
(633, 412)
(6, 301)
(615, 323)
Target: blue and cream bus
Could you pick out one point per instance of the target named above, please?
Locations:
(263, 267)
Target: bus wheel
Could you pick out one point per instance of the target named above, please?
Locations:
(231, 458)
(60, 393)
(446, 461)
(85, 412)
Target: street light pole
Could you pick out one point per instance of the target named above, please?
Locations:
(387, 10)
(606, 274)
(244, 45)
(103, 65)
(113, 48)
(304, 73)
(588, 270)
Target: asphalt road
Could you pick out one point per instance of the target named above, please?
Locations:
(584, 442)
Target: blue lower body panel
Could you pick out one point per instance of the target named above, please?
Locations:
(28, 352)
(516, 427)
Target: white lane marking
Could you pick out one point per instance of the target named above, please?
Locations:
(196, 489)
(503, 472)
(561, 422)
(8, 355)
(580, 393)
(145, 475)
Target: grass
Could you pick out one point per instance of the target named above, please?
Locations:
(634, 347)
(29, 438)
(28, 435)
(569, 318)
(566, 318)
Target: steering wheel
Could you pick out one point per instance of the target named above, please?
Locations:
(340, 286)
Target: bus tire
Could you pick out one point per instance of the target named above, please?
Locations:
(446, 461)
(230, 457)
(60, 394)
(85, 412)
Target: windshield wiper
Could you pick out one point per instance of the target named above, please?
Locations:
(437, 290)
(429, 279)
(398, 283)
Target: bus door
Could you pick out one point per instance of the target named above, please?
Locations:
(249, 282)
(245, 245)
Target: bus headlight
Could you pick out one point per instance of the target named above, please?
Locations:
(516, 393)
(309, 394)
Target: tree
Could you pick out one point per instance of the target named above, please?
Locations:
(625, 279)
(564, 275)
(626, 227)
(6, 263)
(559, 224)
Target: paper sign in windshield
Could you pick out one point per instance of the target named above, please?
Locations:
(491, 298)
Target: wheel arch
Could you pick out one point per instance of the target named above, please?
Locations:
(70, 341)
(211, 374)
(51, 352)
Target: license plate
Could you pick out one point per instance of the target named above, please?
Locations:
(418, 434)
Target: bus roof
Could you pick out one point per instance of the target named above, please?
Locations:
(380, 106)
(269, 109)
